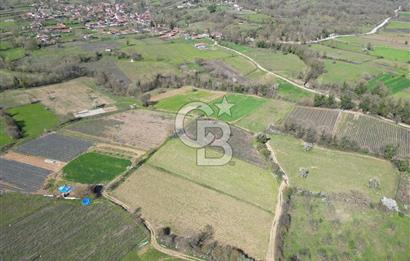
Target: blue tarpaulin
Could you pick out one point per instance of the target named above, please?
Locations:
(64, 189)
(86, 201)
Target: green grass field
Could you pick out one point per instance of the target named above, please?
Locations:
(94, 168)
(284, 64)
(174, 103)
(271, 112)
(242, 105)
(33, 119)
(332, 170)
(339, 72)
(34, 226)
(393, 54)
(12, 54)
(242, 180)
(292, 93)
(395, 83)
(335, 53)
(4, 137)
(327, 230)
(398, 24)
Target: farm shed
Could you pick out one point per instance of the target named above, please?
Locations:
(20, 176)
(55, 146)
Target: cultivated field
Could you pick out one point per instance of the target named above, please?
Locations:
(334, 171)
(54, 146)
(66, 230)
(94, 168)
(33, 119)
(22, 177)
(271, 112)
(373, 134)
(316, 118)
(172, 190)
(63, 99)
(325, 229)
(141, 129)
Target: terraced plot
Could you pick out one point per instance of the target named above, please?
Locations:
(316, 118)
(237, 199)
(22, 177)
(54, 146)
(373, 134)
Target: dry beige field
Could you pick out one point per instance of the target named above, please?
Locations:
(34, 161)
(64, 98)
(186, 207)
(140, 129)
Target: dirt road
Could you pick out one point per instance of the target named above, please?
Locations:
(271, 254)
(153, 242)
(334, 36)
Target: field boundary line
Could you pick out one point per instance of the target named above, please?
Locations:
(273, 235)
(209, 187)
(153, 240)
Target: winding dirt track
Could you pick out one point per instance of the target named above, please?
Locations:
(373, 31)
(153, 242)
(271, 254)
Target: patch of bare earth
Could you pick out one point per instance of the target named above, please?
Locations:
(142, 129)
(40, 162)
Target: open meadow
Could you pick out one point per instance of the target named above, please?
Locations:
(33, 119)
(175, 102)
(328, 229)
(271, 112)
(172, 190)
(65, 229)
(332, 171)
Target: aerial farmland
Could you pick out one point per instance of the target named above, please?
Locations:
(204, 130)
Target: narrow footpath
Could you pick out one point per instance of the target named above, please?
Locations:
(271, 254)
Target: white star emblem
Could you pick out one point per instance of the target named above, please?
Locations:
(224, 107)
